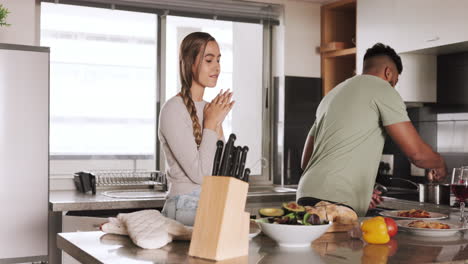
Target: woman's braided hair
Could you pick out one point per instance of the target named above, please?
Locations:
(192, 46)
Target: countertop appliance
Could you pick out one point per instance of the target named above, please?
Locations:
(24, 159)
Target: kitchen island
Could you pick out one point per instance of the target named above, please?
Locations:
(98, 247)
(63, 201)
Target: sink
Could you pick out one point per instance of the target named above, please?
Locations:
(270, 189)
(134, 194)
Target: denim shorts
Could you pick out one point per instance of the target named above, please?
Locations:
(182, 208)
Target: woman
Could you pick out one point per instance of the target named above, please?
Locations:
(190, 127)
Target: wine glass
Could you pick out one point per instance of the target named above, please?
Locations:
(459, 186)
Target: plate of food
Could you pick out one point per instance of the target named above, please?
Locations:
(413, 214)
(410, 239)
(429, 227)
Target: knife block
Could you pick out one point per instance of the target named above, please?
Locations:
(221, 229)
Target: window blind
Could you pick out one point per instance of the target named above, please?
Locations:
(231, 10)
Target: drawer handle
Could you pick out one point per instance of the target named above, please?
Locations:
(433, 39)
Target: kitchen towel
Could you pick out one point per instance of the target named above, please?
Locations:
(147, 229)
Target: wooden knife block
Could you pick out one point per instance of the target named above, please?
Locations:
(221, 229)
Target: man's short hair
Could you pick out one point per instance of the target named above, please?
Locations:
(380, 49)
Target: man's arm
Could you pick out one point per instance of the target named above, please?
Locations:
(307, 152)
(420, 154)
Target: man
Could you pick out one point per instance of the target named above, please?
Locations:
(343, 149)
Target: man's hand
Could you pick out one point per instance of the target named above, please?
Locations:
(376, 199)
(437, 175)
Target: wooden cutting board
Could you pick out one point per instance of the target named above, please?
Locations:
(340, 227)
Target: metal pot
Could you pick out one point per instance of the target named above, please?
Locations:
(434, 193)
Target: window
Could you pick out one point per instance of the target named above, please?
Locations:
(102, 86)
(241, 46)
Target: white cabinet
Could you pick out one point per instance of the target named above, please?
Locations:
(411, 25)
(24, 152)
(425, 24)
(374, 23)
(407, 26)
(418, 81)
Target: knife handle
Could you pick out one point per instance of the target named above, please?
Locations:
(226, 155)
(235, 162)
(217, 158)
(246, 175)
(243, 158)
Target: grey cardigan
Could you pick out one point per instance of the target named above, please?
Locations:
(185, 164)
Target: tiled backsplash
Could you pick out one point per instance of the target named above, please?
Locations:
(444, 128)
(452, 133)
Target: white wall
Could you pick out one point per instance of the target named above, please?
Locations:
(24, 18)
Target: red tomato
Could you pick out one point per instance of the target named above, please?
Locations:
(392, 227)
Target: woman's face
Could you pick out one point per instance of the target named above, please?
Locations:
(209, 68)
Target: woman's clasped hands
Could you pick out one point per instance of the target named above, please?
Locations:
(216, 111)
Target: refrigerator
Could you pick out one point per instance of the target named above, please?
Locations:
(24, 155)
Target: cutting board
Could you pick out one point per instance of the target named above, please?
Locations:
(341, 227)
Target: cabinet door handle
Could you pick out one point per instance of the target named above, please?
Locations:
(433, 39)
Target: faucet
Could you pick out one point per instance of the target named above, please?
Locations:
(381, 188)
(408, 181)
(384, 189)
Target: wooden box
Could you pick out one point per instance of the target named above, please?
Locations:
(221, 229)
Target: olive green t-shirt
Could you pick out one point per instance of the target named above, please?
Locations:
(348, 141)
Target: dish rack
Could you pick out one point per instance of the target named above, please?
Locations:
(120, 179)
(129, 179)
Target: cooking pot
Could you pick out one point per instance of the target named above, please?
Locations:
(436, 193)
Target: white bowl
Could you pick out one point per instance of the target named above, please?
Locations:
(294, 235)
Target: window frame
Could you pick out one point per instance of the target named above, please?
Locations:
(268, 96)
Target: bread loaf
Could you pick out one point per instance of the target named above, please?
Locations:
(336, 213)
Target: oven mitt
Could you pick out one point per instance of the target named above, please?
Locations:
(148, 228)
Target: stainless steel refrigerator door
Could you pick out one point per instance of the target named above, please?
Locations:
(24, 155)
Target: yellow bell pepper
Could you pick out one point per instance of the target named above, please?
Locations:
(374, 230)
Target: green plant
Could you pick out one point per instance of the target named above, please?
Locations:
(3, 14)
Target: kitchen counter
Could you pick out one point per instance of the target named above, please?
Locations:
(98, 247)
(74, 201)
(63, 201)
(60, 201)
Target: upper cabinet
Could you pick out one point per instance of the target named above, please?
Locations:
(409, 27)
(425, 24)
(375, 23)
(418, 81)
(337, 48)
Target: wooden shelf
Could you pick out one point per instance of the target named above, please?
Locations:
(338, 25)
(340, 53)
